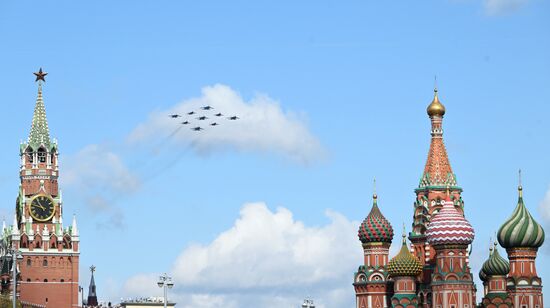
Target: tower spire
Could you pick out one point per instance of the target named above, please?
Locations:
(40, 133)
(92, 296)
(437, 171)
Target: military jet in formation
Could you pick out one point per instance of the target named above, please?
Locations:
(202, 118)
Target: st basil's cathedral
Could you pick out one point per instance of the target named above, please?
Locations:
(435, 271)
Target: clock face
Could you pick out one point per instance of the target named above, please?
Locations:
(42, 208)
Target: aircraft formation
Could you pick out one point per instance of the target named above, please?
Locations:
(202, 117)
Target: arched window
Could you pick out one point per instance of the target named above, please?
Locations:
(28, 280)
(29, 262)
(45, 262)
(62, 280)
(30, 158)
(45, 280)
(41, 155)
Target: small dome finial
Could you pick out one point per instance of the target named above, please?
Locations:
(374, 196)
(520, 187)
(436, 108)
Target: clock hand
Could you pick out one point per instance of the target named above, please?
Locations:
(40, 205)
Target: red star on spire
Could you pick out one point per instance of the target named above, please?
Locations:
(40, 75)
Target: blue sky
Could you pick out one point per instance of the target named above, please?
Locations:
(335, 93)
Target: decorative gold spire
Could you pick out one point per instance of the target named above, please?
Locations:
(436, 108)
(438, 171)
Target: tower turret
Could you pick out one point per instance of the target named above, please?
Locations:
(521, 235)
(437, 184)
(450, 234)
(403, 269)
(494, 272)
(92, 296)
(371, 278)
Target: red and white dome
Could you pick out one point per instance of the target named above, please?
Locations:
(449, 227)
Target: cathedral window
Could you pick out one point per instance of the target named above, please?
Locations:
(45, 262)
(29, 262)
(28, 280)
(45, 280)
(62, 280)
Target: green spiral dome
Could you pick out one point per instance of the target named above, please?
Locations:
(521, 230)
(495, 265)
(482, 275)
(404, 263)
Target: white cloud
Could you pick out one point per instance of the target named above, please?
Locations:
(263, 126)
(100, 176)
(96, 166)
(266, 259)
(544, 207)
(499, 7)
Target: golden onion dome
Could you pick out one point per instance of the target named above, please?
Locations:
(436, 108)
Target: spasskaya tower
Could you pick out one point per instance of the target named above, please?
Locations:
(48, 272)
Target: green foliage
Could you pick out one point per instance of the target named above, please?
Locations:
(6, 302)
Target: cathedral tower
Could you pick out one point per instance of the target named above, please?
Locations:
(450, 234)
(372, 288)
(521, 235)
(404, 269)
(49, 269)
(436, 183)
(493, 274)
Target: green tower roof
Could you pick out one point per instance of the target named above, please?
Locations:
(40, 133)
(495, 265)
(521, 230)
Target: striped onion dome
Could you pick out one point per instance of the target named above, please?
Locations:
(375, 228)
(521, 230)
(482, 275)
(404, 263)
(496, 265)
(449, 227)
